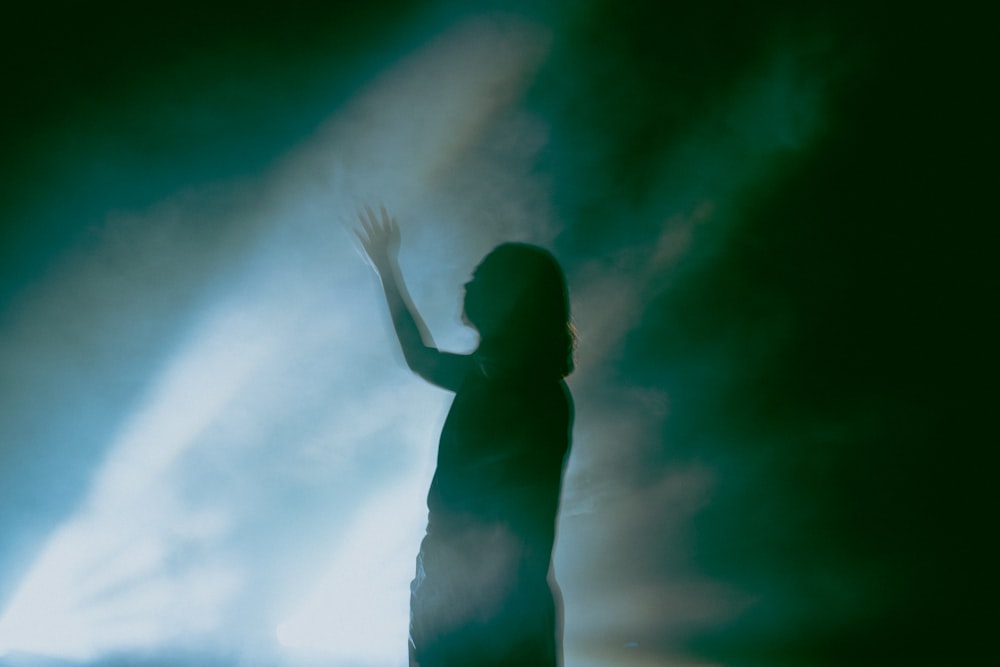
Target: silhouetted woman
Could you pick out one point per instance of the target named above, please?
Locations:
(484, 594)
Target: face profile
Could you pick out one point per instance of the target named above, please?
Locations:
(518, 302)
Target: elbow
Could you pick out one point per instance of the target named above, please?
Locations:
(418, 359)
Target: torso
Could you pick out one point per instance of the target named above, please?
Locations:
(492, 507)
(500, 458)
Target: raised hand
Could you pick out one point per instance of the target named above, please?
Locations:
(379, 236)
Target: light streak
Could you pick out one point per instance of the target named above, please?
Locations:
(156, 555)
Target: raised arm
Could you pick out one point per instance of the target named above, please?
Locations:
(379, 236)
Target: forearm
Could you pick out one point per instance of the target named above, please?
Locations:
(380, 239)
(414, 338)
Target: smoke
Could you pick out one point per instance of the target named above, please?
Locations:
(250, 446)
(237, 458)
(632, 492)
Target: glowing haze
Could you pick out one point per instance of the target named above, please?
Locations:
(263, 495)
(293, 334)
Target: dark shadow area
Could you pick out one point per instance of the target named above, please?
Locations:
(85, 89)
(829, 361)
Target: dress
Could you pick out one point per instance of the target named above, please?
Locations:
(483, 593)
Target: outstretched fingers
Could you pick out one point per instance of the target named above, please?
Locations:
(377, 226)
(366, 222)
(388, 222)
(378, 235)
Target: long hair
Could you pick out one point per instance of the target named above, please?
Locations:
(519, 303)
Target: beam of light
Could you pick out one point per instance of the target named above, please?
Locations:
(358, 610)
(103, 581)
(260, 446)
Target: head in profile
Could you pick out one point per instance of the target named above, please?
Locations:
(518, 302)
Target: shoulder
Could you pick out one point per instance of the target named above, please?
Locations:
(446, 370)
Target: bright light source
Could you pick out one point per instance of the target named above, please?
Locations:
(359, 610)
(145, 562)
(103, 581)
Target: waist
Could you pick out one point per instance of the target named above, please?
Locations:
(464, 540)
